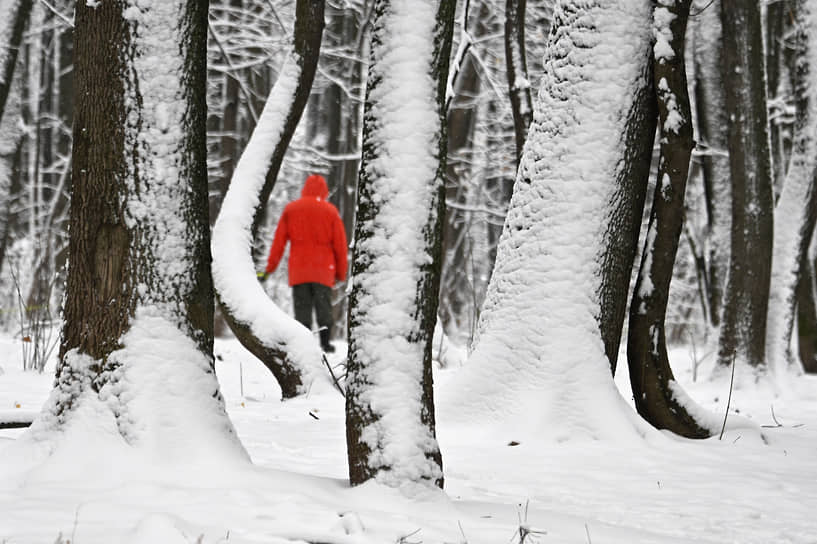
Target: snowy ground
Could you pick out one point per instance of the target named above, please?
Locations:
(746, 488)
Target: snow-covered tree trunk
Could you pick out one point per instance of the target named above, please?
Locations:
(285, 346)
(517, 70)
(713, 147)
(743, 331)
(138, 312)
(796, 210)
(390, 420)
(551, 322)
(655, 391)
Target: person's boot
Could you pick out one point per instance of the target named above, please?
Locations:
(325, 345)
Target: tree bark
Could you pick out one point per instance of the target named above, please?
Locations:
(807, 318)
(655, 391)
(517, 70)
(391, 440)
(743, 332)
(714, 146)
(139, 230)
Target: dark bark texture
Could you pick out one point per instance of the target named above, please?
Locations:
(650, 373)
(623, 224)
(110, 252)
(807, 318)
(743, 331)
(517, 65)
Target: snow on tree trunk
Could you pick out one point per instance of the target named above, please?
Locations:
(796, 210)
(390, 420)
(517, 71)
(743, 330)
(653, 384)
(14, 16)
(285, 346)
(138, 311)
(541, 364)
(714, 149)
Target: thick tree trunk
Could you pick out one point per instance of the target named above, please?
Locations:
(390, 419)
(517, 70)
(566, 251)
(714, 147)
(139, 281)
(796, 211)
(743, 332)
(656, 394)
(253, 181)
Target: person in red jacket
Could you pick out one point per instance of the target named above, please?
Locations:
(317, 254)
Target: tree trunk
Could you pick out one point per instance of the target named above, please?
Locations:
(796, 211)
(11, 36)
(138, 312)
(288, 351)
(517, 70)
(714, 148)
(743, 332)
(656, 394)
(455, 292)
(807, 318)
(398, 252)
(776, 14)
(551, 322)
(10, 159)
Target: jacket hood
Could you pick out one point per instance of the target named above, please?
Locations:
(315, 186)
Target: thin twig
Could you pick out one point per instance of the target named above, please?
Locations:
(54, 10)
(728, 400)
(334, 378)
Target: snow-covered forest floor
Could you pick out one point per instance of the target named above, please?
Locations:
(745, 488)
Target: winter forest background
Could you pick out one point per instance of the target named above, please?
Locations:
(582, 296)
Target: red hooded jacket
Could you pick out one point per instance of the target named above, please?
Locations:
(317, 252)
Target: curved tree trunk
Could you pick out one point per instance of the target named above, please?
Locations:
(517, 70)
(796, 211)
(285, 347)
(656, 394)
(743, 331)
(390, 420)
(551, 322)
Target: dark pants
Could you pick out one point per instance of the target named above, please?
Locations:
(305, 297)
